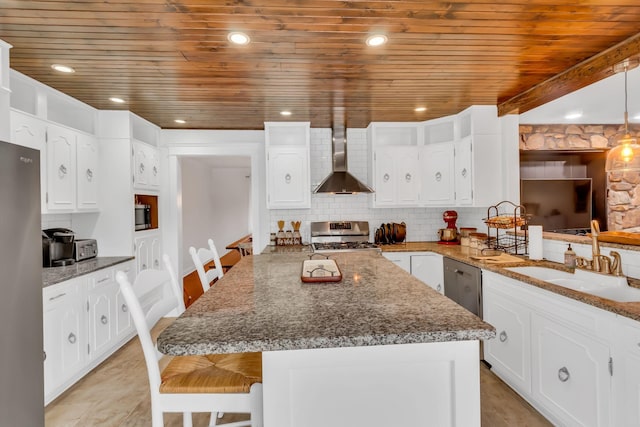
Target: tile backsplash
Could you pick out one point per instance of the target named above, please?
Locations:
(422, 223)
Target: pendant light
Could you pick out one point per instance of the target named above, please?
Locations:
(626, 155)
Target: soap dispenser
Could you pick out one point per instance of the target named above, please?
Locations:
(570, 258)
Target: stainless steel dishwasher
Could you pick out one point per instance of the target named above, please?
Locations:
(463, 284)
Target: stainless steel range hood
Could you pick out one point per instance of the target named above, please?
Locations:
(340, 181)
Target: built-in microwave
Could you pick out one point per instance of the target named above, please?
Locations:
(142, 216)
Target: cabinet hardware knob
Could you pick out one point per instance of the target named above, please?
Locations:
(72, 338)
(407, 177)
(156, 263)
(141, 168)
(155, 171)
(64, 293)
(464, 172)
(104, 319)
(563, 374)
(62, 171)
(89, 175)
(503, 336)
(438, 176)
(385, 177)
(144, 266)
(287, 178)
(439, 287)
(44, 355)
(124, 308)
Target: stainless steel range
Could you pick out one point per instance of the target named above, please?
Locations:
(332, 236)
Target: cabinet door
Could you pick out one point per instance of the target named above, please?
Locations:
(140, 165)
(626, 374)
(288, 177)
(510, 352)
(154, 167)
(384, 177)
(31, 132)
(61, 166)
(64, 334)
(407, 166)
(156, 251)
(571, 374)
(87, 172)
(123, 320)
(428, 268)
(463, 173)
(437, 178)
(143, 253)
(402, 260)
(101, 321)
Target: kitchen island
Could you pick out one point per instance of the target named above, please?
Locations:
(377, 346)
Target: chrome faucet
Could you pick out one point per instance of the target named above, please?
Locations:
(600, 263)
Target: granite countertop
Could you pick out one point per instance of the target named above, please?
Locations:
(262, 305)
(463, 254)
(53, 275)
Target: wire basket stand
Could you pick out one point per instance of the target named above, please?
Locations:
(507, 228)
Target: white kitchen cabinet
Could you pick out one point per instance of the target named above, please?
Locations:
(145, 166)
(84, 322)
(626, 373)
(438, 175)
(571, 374)
(87, 177)
(428, 267)
(510, 352)
(396, 176)
(288, 173)
(147, 249)
(101, 308)
(65, 337)
(401, 259)
(61, 168)
(463, 171)
(555, 351)
(30, 131)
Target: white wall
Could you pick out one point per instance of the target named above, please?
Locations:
(215, 204)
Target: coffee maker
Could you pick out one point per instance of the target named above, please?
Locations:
(449, 235)
(57, 247)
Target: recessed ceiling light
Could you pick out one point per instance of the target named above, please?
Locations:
(420, 109)
(238, 38)
(116, 100)
(285, 113)
(376, 40)
(63, 68)
(180, 121)
(573, 115)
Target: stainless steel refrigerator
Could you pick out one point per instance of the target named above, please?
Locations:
(21, 353)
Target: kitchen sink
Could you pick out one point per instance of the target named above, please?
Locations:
(615, 288)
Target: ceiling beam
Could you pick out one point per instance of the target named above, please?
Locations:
(594, 69)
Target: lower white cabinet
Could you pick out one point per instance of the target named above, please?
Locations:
(571, 373)
(85, 321)
(426, 266)
(147, 249)
(626, 373)
(64, 334)
(510, 352)
(558, 354)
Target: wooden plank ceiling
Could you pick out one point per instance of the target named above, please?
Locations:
(171, 59)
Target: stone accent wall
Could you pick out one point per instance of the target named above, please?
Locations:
(623, 200)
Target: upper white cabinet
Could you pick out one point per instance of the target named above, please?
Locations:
(146, 166)
(394, 173)
(396, 176)
(288, 175)
(69, 173)
(61, 168)
(450, 161)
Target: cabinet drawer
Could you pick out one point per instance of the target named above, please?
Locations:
(100, 278)
(60, 293)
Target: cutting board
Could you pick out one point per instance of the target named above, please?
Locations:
(622, 237)
(320, 270)
(497, 259)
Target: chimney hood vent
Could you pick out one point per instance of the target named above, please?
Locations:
(340, 181)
